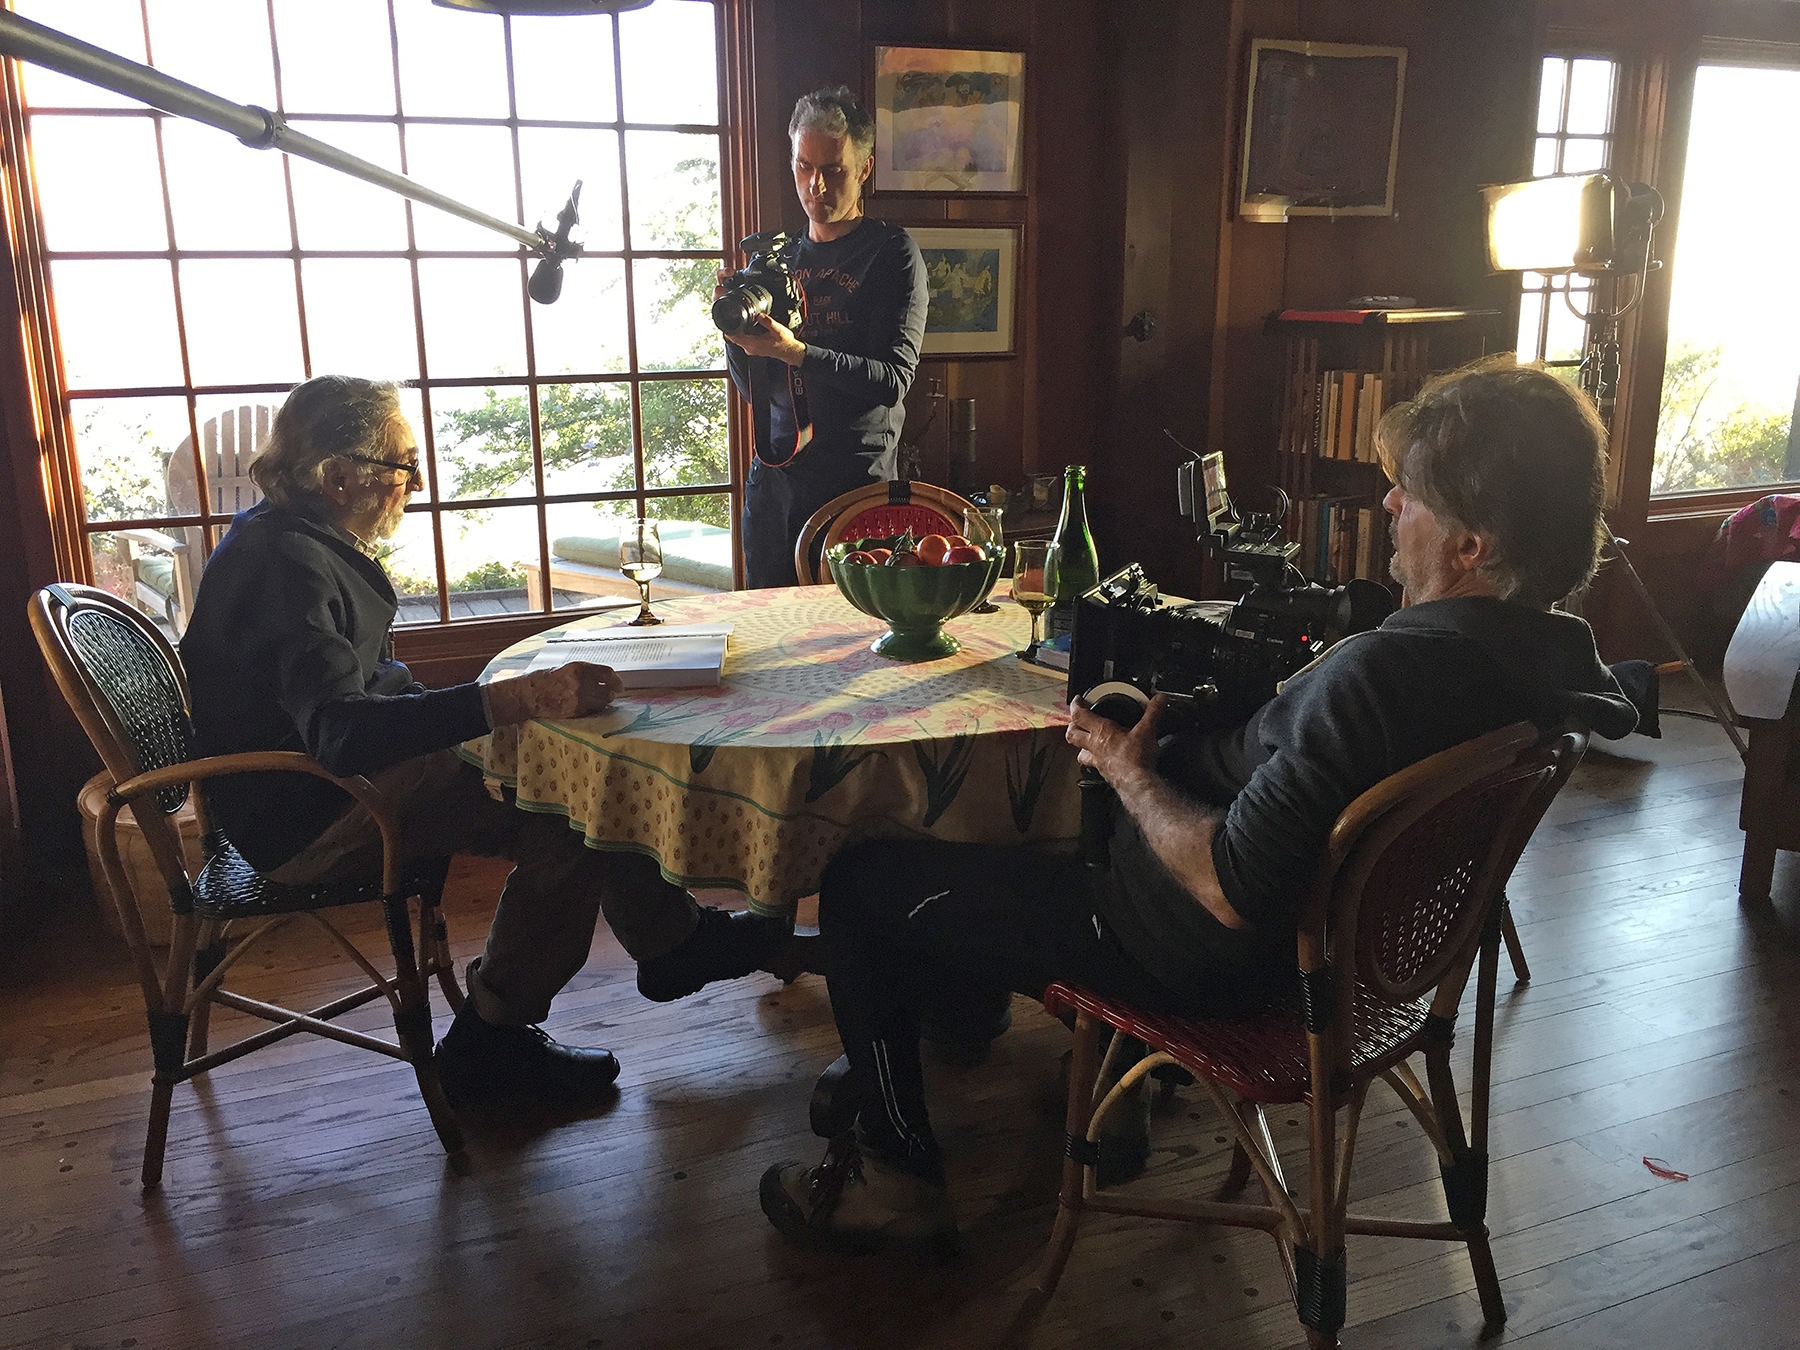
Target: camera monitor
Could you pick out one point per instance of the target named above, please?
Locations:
(1218, 500)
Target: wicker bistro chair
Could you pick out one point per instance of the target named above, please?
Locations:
(1404, 904)
(128, 690)
(880, 510)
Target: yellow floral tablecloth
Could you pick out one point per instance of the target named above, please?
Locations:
(810, 742)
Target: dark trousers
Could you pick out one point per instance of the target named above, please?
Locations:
(777, 505)
(544, 923)
(902, 918)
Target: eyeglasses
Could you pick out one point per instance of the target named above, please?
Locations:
(411, 470)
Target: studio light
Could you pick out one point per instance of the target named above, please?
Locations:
(1593, 224)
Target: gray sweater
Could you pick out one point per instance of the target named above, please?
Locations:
(1433, 675)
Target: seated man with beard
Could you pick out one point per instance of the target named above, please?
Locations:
(290, 649)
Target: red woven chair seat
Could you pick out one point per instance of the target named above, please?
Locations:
(1261, 1055)
(886, 521)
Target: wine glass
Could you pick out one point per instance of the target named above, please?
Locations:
(641, 559)
(981, 524)
(1035, 566)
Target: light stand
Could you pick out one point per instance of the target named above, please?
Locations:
(1618, 248)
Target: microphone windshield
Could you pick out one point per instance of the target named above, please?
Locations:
(546, 281)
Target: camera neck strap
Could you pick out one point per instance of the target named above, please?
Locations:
(778, 457)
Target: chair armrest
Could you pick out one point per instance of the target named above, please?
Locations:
(195, 771)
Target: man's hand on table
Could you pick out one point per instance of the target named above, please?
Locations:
(578, 689)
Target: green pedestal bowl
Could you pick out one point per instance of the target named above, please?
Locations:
(914, 601)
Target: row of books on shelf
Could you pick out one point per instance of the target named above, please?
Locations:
(1339, 538)
(1346, 405)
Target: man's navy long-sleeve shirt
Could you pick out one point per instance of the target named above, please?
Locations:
(287, 650)
(865, 322)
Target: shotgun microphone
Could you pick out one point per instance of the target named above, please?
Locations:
(546, 278)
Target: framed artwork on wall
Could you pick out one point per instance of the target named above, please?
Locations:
(1322, 131)
(949, 120)
(972, 273)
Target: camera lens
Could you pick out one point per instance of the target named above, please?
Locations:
(733, 310)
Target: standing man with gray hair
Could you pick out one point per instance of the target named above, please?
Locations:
(850, 363)
(289, 649)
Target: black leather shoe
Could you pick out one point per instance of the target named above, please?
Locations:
(723, 946)
(478, 1063)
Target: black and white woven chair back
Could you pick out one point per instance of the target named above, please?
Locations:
(130, 670)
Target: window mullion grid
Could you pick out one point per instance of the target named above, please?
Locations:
(631, 309)
(202, 488)
(412, 263)
(534, 428)
(287, 187)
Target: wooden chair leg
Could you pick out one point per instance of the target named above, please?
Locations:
(207, 956)
(156, 1138)
(1514, 948)
(1239, 1176)
(1084, 1069)
(1487, 1283)
(436, 940)
(412, 1022)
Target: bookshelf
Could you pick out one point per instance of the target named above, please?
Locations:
(1341, 370)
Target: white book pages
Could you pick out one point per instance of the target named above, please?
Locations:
(647, 659)
(626, 633)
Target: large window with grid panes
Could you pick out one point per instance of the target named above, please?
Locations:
(1730, 392)
(194, 281)
(1576, 99)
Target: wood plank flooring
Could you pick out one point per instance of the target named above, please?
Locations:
(306, 1203)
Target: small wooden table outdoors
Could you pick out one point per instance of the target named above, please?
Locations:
(810, 742)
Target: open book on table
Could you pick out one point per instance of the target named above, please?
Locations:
(672, 656)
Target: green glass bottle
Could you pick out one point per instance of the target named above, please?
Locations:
(1079, 568)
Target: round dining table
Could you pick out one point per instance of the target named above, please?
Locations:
(810, 741)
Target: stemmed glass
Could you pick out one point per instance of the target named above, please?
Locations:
(981, 524)
(641, 559)
(1035, 566)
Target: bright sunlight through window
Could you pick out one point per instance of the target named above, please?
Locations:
(1733, 366)
(196, 280)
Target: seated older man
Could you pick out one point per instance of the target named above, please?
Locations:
(1496, 516)
(289, 649)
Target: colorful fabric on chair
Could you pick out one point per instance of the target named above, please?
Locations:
(885, 522)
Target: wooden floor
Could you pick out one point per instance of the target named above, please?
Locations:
(306, 1203)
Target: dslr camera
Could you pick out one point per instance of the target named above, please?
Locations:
(764, 285)
(1216, 661)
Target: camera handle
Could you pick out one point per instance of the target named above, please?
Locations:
(1124, 704)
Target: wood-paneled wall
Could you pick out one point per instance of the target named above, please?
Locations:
(1041, 407)
(1465, 121)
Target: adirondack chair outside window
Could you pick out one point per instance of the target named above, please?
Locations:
(165, 565)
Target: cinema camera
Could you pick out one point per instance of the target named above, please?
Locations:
(1216, 666)
(764, 285)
